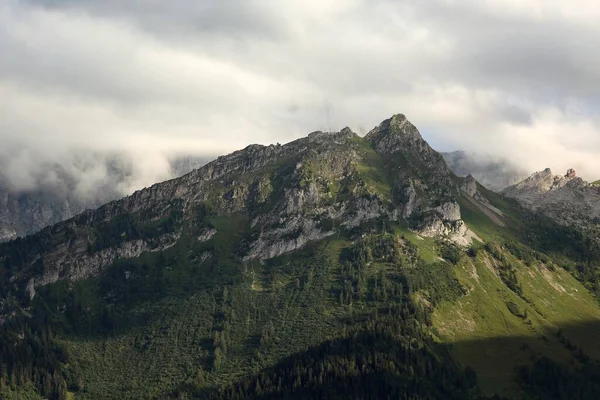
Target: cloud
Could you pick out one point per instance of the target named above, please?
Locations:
(147, 80)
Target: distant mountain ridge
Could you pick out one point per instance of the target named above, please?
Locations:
(567, 198)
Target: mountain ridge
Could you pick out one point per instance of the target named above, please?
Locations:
(182, 195)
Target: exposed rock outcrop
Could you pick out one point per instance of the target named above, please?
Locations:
(207, 234)
(456, 231)
(543, 185)
(449, 211)
(567, 198)
(469, 186)
(72, 261)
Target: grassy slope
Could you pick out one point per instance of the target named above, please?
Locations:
(554, 298)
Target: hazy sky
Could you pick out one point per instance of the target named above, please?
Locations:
(518, 79)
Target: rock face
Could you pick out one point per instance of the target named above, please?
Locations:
(494, 174)
(81, 265)
(565, 198)
(469, 186)
(541, 187)
(282, 197)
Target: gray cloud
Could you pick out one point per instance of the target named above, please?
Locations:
(231, 19)
(516, 115)
(514, 79)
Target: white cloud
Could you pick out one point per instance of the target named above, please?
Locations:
(517, 79)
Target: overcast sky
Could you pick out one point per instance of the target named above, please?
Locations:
(517, 79)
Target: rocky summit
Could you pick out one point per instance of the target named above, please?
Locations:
(566, 198)
(334, 266)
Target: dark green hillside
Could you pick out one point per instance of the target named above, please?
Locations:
(171, 331)
(331, 267)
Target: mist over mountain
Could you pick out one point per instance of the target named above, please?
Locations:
(492, 172)
(36, 194)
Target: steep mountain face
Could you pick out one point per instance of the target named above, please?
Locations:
(494, 174)
(567, 198)
(23, 212)
(333, 266)
(293, 194)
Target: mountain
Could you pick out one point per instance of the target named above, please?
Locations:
(567, 198)
(333, 266)
(60, 197)
(494, 174)
(295, 193)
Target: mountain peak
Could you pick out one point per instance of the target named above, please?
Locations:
(397, 126)
(346, 131)
(398, 135)
(399, 118)
(287, 190)
(537, 183)
(567, 199)
(395, 133)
